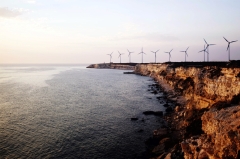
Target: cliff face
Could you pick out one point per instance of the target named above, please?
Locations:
(202, 86)
(207, 117)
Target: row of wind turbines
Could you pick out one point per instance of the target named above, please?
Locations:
(205, 50)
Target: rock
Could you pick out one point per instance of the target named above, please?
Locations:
(158, 150)
(166, 105)
(169, 109)
(168, 156)
(161, 102)
(134, 119)
(177, 109)
(160, 133)
(154, 92)
(159, 97)
(209, 94)
(221, 138)
(162, 147)
(128, 72)
(157, 113)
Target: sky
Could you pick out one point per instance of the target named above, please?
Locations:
(80, 31)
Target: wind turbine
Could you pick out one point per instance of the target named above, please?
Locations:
(169, 54)
(208, 49)
(142, 54)
(185, 53)
(110, 56)
(120, 54)
(204, 50)
(129, 55)
(155, 54)
(228, 48)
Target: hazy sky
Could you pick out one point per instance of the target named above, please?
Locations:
(80, 31)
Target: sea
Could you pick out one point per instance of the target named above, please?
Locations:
(69, 111)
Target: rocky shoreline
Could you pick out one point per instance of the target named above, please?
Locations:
(204, 121)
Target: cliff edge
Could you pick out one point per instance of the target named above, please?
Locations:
(206, 120)
(121, 66)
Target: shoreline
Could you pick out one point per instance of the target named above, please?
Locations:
(206, 98)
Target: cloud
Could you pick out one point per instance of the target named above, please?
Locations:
(5, 12)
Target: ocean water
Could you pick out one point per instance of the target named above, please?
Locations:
(74, 112)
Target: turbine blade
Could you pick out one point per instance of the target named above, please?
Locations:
(233, 41)
(186, 54)
(211, 44)
(228, 46)
(152, 51)
(205, 41)
(226, 39)
(187, 48)
(157, 51)
(171, 50)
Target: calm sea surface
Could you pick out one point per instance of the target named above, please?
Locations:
(74, 112)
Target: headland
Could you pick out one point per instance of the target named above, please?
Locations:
(204, 122)
(122, 66)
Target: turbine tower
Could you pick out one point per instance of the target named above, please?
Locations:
(110, 56)
(129, 55)
(169, 54)
(120, 54)
(208, 49)
(204, 50)
(142, 54)
(185, 53)
(155, 54)
(228, 47)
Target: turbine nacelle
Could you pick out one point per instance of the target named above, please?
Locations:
(129, 52)
(229, 42)
(154, 51)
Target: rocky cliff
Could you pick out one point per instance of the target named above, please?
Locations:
(206, 120)
(121, 66)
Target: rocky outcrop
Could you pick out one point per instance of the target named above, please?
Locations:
(121, 66)
(205, 121)
(221, 138)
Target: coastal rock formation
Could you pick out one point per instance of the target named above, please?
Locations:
(121, 66)
(221, 138)
(206, 118)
